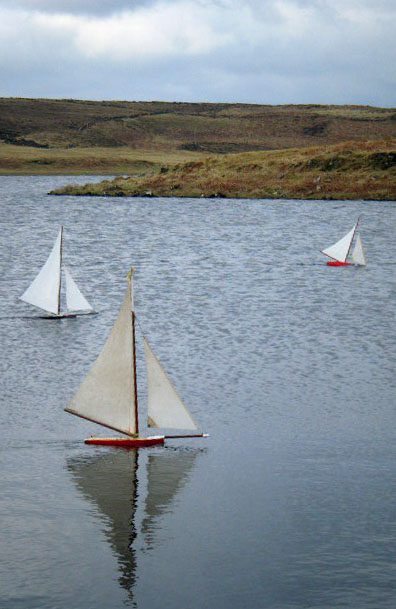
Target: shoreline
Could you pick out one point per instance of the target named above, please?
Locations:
(221, 197)
(347, 171)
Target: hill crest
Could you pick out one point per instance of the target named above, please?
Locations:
(210, 128)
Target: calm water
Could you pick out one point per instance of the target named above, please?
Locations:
(287, 363)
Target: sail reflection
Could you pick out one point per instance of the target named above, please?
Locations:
(109, 481)
(166, 474)
(120, 490)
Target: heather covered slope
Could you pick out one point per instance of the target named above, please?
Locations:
(352, 170)
(207, 127)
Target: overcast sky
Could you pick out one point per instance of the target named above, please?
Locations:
(260, 51)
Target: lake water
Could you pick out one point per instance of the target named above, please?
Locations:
(288, 364)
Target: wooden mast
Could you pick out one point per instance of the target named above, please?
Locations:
(134, 355)
(134, 373)
(60, 271)
(350, 244)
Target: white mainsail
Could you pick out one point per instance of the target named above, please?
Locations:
(107, 394)
(75, 301)
(358, 252)
(339, 251)
(43, 292)
(164, 406)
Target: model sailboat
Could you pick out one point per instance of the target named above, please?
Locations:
(338, 252)
(45, 290)
(108, 394)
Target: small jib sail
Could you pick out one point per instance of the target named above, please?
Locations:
(358, 252)
(45, 290)
(108, 394)
(339, 251)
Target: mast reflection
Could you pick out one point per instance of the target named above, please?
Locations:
(109, 482)
(117, 488)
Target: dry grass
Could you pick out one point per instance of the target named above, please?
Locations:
(352, 170)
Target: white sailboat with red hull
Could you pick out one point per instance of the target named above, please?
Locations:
(339, 251)
(45, 290)
(108, 393)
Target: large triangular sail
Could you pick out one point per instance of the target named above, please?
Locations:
(107, 394)
(340, 250)
(164, 405)
(44, 291)
(75, 301)
(357, 255)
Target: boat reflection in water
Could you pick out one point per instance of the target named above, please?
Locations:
(124, 483)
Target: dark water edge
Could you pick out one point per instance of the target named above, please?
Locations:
(146, 196)
(287, 363)
(215, 196)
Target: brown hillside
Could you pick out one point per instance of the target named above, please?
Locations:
(203, 127)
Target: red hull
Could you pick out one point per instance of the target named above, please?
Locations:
(337, 263)
(126, 442)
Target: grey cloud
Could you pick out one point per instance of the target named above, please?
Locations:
(222, 78)
(334, 60)
(80, 7)
(262, 7)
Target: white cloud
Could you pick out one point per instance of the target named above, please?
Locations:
(162, 30)
(158, 31)
(292, 50)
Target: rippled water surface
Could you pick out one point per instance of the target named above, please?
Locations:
(287, 363)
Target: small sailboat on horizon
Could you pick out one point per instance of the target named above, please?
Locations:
(108, 393)
(339, 251)
(45, 290)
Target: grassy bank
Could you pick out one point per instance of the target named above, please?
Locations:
(352, 170)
